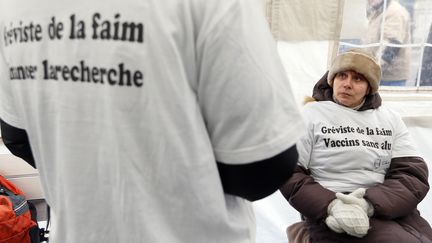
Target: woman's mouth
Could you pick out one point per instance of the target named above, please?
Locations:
(345, 94)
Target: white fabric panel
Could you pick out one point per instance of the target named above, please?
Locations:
(353, 28)
(303, 20)
(305, 63)
(293, 20)
(422, 135)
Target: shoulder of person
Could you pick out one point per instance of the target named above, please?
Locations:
(391, 113)
(314, 108)
(396, 7)
(309, 103)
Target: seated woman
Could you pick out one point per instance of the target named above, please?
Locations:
(359, 176)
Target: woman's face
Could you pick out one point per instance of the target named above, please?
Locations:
(349, 88)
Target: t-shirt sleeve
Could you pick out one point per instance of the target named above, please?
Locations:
(7, 107)
(305, 145)
(243, 91)
(403, 144)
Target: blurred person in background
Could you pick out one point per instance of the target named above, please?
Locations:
(426, 69)
(394, 61)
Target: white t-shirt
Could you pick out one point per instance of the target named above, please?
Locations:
(347, 149)
(128, 104)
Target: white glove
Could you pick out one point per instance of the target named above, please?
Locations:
(349, 218)
(356, 197)
(330, 220)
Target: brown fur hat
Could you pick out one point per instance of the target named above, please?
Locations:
(359, 61)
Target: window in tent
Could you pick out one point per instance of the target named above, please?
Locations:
(398, 33)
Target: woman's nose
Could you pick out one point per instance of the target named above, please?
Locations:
(348, 82)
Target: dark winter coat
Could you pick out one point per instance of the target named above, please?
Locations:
(396, 218)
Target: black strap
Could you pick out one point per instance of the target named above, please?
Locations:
(258, 179)
(16, 140)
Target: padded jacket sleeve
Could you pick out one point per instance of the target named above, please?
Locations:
(404, 187)
(307, 196)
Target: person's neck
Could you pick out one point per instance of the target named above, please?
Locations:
(354, 108)
(360, 105)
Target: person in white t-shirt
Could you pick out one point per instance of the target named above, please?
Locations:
(359, 177)
(149, 121)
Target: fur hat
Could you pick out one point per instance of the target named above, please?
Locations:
(359, 61)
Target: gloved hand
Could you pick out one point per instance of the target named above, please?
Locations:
(356, 197)
(331, 222)
(349, 218)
